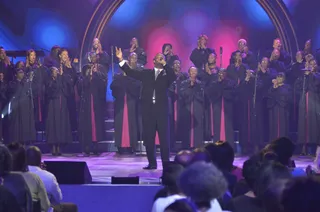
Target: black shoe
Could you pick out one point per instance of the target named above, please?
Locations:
(150, 167)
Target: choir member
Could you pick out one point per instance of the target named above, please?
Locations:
(276, 63)
(66, 68)
(20, 65)
(20, 109)
(168, 53)
(58, 128)
(53, 60)
(307, 48)
(34, 67)
(3, 102)
(192, 99)
(247, 56)
(126, 92)
(102, 57)
(133, 62)
(154, 101)
(199, 55)
(175, 103)
(279, 98)
(5, 65)
(221, 96)
(91, 88)
(309, 107)
(283, 55)
(237, 69)
(134, 47)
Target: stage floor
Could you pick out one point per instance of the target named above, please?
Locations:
(110, 164)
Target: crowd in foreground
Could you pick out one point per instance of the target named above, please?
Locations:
(25, 185)
(206, 180)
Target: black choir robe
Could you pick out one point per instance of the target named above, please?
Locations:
(7, 70)
(278, 65)
(250, 60)
(192, 99)
(142, 56)
(199, 57)
(92, 106)
(221, 97)
(278, 108)
(3, 102)
(175, 106)
(20, 109)
(58, 127)
(39, 80)
(72, 105)
(126, 92)
(309, 109)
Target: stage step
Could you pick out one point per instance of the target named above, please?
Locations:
(109, 124)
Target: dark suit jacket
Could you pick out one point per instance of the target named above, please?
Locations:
(149, 84)
(16, 184)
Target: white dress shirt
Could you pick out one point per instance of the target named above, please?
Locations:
(50, 182)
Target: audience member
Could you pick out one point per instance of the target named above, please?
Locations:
(35, 184)
(8, 202)
(183, 158)
(247, 201)
(182, 205)
(169, 180)
(203, 183)
(200, 154)
(302, 194)
(270, 182)
(14, 182)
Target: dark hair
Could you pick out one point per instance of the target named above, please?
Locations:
(62, 50)
(165, 45)
(33, 156)
(171, 173)
(302, 194)
(200, 154)
(19, 157)
(222, 155)
(202, 182)
(182, 205)
(183, 158)
(5, 160)
(284, 148)
(250, 171)
(281, 74)
(233, 56)
(270, 182)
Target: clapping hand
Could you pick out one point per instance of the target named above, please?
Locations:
(119, 54)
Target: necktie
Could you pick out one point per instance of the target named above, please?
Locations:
(157, 73)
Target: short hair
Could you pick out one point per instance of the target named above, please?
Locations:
(191, 68)
(301, 194)
(250, 171)
(222, 155)
(283, 147)
(203, 36)
(170, 175)
(18, 156)
(242, 40)
(33, 156)
(202, 182)
(183, 158)
(282, 75)
(200, 154)
(184, 205)
(165, 45)
(5, 160)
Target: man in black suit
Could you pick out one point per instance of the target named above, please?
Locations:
(154, 100)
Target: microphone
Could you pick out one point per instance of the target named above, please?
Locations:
(221, 50)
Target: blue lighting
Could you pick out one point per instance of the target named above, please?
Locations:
(257, 15)
(317, 38)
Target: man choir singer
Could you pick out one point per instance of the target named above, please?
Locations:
(154, 102)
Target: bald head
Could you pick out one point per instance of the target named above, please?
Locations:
(157, 61)
(33, 155)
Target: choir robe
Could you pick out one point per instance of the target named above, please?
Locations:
(72, 96)
(221, 96)
(278, 65)
(175, 106)
(92, 105)
(3, 102)
(278, 104)
(58, 128)
(39, 80)
(7, 70)
(192, 99)
(285, 57)
(199, 57)
(309, 109)
(249, 60)
(142, 56)
(126, 92)
(20, 109)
